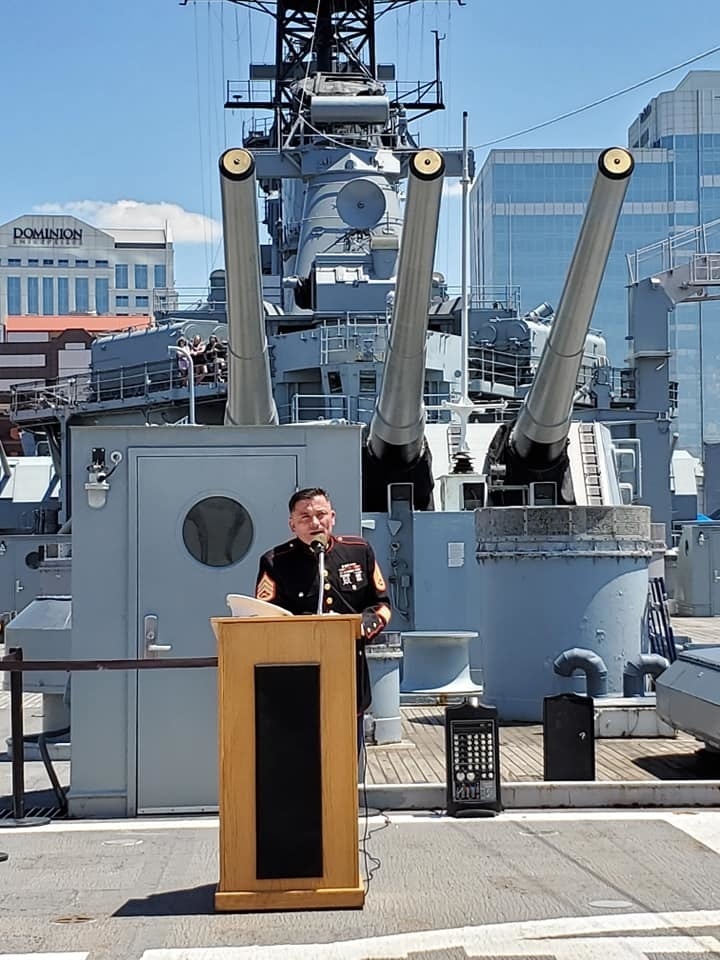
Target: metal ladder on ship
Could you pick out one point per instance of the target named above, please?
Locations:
(591, 464)
(660, 631)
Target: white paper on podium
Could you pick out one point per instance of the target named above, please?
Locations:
(242, 606)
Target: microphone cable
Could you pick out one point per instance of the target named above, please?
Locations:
(371, 863)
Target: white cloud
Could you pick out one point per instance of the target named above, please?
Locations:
(186, 227)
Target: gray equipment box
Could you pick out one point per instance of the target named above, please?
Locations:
(688, 694)
(472, 760)
(697, 585)
(43, 632)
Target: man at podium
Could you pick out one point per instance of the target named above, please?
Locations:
(317, 572)
(288, 770)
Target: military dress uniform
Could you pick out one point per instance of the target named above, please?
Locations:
(288, 576)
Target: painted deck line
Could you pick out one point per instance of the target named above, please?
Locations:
(564, 938)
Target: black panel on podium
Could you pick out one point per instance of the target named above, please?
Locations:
(288, 766)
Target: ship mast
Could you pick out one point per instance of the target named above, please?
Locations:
(324, 47)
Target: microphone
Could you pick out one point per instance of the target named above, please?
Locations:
(318, 544)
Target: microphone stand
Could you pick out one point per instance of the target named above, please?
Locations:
(321, 578)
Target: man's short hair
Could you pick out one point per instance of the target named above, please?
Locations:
(307, 494)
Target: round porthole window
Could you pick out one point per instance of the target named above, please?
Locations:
(218, 531)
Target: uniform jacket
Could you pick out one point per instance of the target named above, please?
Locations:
(288, 577)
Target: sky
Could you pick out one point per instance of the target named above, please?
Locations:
(113, 109)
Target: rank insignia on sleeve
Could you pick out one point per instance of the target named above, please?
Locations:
(378, 580)
(265, 589)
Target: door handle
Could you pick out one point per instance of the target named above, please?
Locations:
(716, 575)
(151, 634)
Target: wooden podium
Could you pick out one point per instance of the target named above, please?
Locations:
(288, 763)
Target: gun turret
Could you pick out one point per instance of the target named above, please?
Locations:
(533, 448)
(249, 397)
(396, 450)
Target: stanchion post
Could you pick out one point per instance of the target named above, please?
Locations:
(18, 748)
(16, 735)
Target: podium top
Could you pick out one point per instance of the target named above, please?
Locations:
(337, 618)
(284, 623)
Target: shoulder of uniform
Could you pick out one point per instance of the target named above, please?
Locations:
(281, 550)
(352, 541)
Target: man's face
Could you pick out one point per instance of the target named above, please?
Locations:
(311, 517)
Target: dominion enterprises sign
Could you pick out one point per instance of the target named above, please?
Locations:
(63, 235)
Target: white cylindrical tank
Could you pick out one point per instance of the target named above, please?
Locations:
(384, 668)
(555, 578)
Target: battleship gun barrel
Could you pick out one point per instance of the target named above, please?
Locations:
(249, 397)
(540, 432)
(396, 441)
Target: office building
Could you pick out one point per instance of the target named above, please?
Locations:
(57, 266)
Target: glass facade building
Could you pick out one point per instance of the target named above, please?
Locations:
(527, 207)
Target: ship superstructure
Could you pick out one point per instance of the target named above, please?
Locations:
(340, 349)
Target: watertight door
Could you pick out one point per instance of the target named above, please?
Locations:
(202, 522)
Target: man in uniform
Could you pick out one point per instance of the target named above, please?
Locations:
(289, 576)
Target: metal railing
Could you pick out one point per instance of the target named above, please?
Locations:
(39, 394)
(167, 300)
(673, 251)
(705, 268)
(492, 370)
(498, 370)
(16, 666)
(261, 94)
(320, 406)
(415, 94)
(118, 384)
(489, 296)
(312, 407)
(367, 337)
